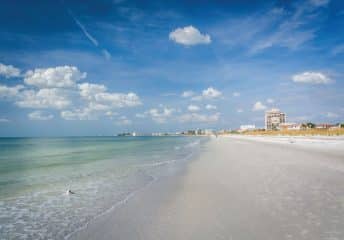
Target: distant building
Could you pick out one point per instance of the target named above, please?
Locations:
(199, 132)
(191, 132)
(273, 118)
(224, 131)
(324, 125)
(290, 126)
(124, 134)
(247, 127)
(209, 131)
(127, 134)
(335, 127)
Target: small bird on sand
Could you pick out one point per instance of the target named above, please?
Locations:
(70, 192)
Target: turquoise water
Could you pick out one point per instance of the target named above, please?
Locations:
(104, 172)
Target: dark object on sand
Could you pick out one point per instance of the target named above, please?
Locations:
(70, 192)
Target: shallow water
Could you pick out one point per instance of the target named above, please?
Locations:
(35, 174)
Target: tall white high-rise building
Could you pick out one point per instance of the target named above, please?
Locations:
(273, 118)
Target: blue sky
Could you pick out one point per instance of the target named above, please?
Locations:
(103, 67)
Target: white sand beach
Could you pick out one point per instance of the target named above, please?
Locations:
(239, 188)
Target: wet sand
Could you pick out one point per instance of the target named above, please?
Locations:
(238, 188)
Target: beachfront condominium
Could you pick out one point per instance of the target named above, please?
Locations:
(273, 118)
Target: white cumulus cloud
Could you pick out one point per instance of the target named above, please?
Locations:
(160, 116)
(311, 78)
(118, 100)
(123, 121)
(99, 94)
(57, 88)
(40, 116)
(79, 114)
(89, 90)
(111, 114)
(210, 107)
(189, 36)
(10, 92)
(211, 93)
(140, 115)
(236, 94)
(9, 71)
(93, 111)
(187, 94)
(258, 106)
(44, 98)
(193, 108)
(199, 118)
(100, 99)
(55, 77)
(270, 100)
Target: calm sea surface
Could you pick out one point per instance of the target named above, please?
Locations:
(104, 172)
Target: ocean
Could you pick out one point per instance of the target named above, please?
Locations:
(103, 172)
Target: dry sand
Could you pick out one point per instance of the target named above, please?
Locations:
(238, 188)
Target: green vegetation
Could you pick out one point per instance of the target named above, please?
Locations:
(303, 132)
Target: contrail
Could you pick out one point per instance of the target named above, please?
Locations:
(83, 29)
(95, 42)
(106, 54)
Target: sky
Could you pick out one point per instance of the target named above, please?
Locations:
(89, 68)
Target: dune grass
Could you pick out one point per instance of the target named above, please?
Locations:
(305, 132)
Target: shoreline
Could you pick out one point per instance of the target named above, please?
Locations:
(177, 167)
(236, 189)
(103, 174)
(132, 201)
